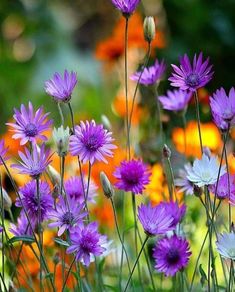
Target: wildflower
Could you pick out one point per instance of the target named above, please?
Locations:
(149, 29)
(225, 245)
(3, 152)
(150, 75)
(86, 242)
(67, 214)
(205, 171)
(171, 255)
(91, 142)
(188, 77)
(222, 191)
(182, 180)
(155, 220)
(23, 226)
(106, 185)
(61, 88)
(175, 100)
(132, 176)
(61, 138)
(28, 125)
(29, 199)
(174, 210)
(35, 163)
(127, 7)
(74, 189)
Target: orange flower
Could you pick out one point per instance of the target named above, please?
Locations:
(104, 214)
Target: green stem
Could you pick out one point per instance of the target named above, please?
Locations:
(3, 282)
(67, 276)
(159, 115)
(61, 114)
(72, 118)
(198, 119)
(184, 127)
(3, 226)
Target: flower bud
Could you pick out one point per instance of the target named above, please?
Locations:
(7, 202)
(61, 138)
(106, 185)
(53, 174)
(197, 191)
(105, 121)
(166, 151)
(149, 29)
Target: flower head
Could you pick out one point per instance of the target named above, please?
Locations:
(132, 176)
(175, 100)
(171, 255)
(182, 180)
(150, 75)
(86, 242)
(61, 87)
(222, 191)
(174, 210)
(35, 163)
(155, 220)
(3, 151)
(225, 245)
(191, 77)
(28, 125)
(127, 7)
(23, 227)
(91, 142)
(205, 171)
(61, 139)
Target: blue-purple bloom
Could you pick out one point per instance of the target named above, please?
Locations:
(174, 210)
(29, 199)
(127, 7)
(155, 220)
(150, 75)
(132, 176)
(91, 142)
(87, 242)
(191, 77)
(35, 163)
(1, 230)
(28, 125)
(175, 100)
(223, 192)
(23, 227)
(183, 182)
(68, 213)
(171, 255)
(61, 87)
(3, 151)
(225, 245)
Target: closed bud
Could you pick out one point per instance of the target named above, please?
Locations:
(149, 29)
(54, 175)
(197, 191)
(106, 185)
(7, 202)
(105, 121)
(166, 151)
(61, 138)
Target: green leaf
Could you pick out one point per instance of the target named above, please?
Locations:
(61, 242)
(25, 238)
(111, 288)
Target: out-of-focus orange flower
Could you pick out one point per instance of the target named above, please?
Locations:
(210, 138)
(104, 213)
(12, 144)
(113, 47)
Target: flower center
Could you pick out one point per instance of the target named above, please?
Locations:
(31, 130)
(192, 80)
(173, 256)
(92, 143)
(68, 218)
(231, 252)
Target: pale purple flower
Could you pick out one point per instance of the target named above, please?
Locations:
(91, 142)
(132, 176)
(155, 220)
(222, 188)
(225, 245)
(3, 151)
(182, 180)
(34, 163)
(174, 210)
(175, 100)
(61, 87)
(127, 7)
(23, 226)
(150, 75)
(68, 213)
(28, 125)
(171, 255)
(87, 242)
(191, 77)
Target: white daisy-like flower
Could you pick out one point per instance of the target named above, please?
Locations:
(226, 245)
(205, 171)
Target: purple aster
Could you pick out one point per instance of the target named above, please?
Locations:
(3, 151)
(67, 214)
(171, 255)
(1, 230)
(150, 75)
(155, 220)
(132, 176)
(35, 163)
(127, 7)
(87, 242)
(174, 210)
(22, 227)
(61, 88)
(182, 181)
(29, 198)
(223, 108)
(222, 188)
(191, 77)
(91, 142)
(74, 189)
(28, 125)
(175, 100)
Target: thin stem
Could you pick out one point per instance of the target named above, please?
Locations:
(3, 282)
(72, 118)
(231, 277)
(229, 205)
(198, 119)
(184, 127)
(3, 226)
(61, 113)
(172, 180)
(67, 276)
(159, 115)
(88, 182)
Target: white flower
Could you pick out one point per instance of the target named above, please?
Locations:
(61, 138)
(205, 171)
(226, 245)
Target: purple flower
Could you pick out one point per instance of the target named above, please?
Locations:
(68, 213)
(171, 255)
(132, 176)
(175, 100)
(183, 182)
(28, 125)
(3, 151)
(127, 7)
(74, 189)
(191, 77)
(91, 142)
(223, 108)
(150, 75)
(87, 242)
(22, 227)
(155, 220)
(61, 88)
(29, 199)
(174, 210)
(1, 230)
(222, 188)
(35, 163)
